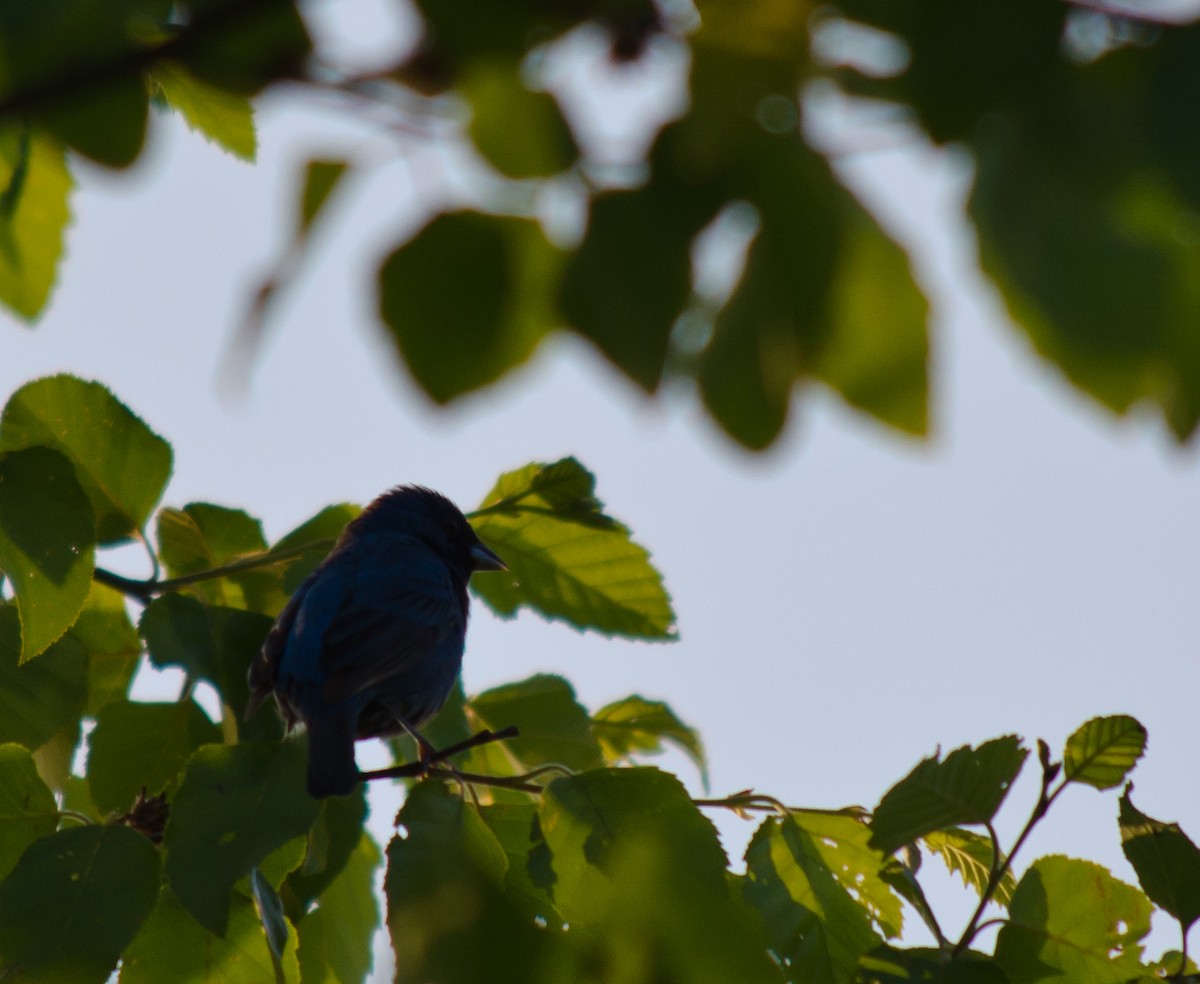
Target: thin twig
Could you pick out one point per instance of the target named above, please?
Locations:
(422, 767)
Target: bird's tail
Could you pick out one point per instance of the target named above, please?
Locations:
(331, 767)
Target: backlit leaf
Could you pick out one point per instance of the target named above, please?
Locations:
(1104, 750)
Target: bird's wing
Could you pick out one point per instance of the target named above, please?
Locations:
(403, 605)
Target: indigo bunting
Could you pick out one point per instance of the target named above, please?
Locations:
(372, 641)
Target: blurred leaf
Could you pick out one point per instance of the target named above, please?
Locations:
(172, 944)
(280, 863)
(521, 133)
(34, 185)
(122, 465)
(449, 919)
(243, 51)
(224, 118)
(143, 746)
(1166, 860)
(47, 545)
(41, 697)
(877, 352)
(336, 939)
(970, 855)
(627, 727)
(641, 875)
(1102, 751)
(1071, 919)
(274, 923)
(321, 178)
(105, 120)
(236, 804)
(57, 917)
(516, 828)
(112, 644)
(27, 807)
(211, 643)
(627, 283)
(554, 726)
(567, 559)
(455, 340)
(322, 531)
(795, 877)
(55, 756)
(924, 965)
(967, 787)
(332, 841)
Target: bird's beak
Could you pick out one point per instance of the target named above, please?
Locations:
(485, 560)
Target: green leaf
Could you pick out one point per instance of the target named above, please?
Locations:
(1102, 751)
(1072, 920)
(122, 465)
(112, 644)
(41, 697)
(270, 913)
(212, 643)
(521, 133)
(47, 543)
(640, 870)
(236, 804)
(104, 120)
(634, 725)
(143, 746)
(73, 902)
(223, 117)
(568, 560)
(796, 880)
(243, 54)
(172, 946)
(528, 880)
(888, 965)
(34, 186)
(455, 340)
(1166, 860)
(970, 855)
(321, 178)
(628, 282)
(877, 352)
(332, 841)
(336, 939)
(554, 726)
(27, 808)
(968, 787)
(447, 914)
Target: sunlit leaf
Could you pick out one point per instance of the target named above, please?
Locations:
(554, 727)
(636, 725)
(1104, 750)
(122, 465)
(971, 856)
(567, 559)
(224, 118)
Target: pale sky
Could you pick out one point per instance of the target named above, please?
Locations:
(847, 602)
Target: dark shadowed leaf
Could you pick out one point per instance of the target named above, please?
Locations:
(554, 726)
(34, 185)
(566, 558)
(27, 808)
(242, 54)
(41, 697)
(1072, 921)
(112, 644)
(1166, 860)
(923, 965)
(105, 121)
(143, 746)
(321, 178)
(171, 942)
(58, 920)
(528, 881)
(212, 643)
(47, 543)
(222, 117)
(336, 939)
(332, 841)
(122, 465)
(235, 806)
(635, 725)
(455, 340)
(967, 787)
(1102, 751)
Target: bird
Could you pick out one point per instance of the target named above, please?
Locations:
(372, 641)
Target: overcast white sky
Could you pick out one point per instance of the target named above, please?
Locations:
(847, 602)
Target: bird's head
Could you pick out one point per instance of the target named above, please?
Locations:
(430, 516)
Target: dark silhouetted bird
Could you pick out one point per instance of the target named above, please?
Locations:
(372, 642)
